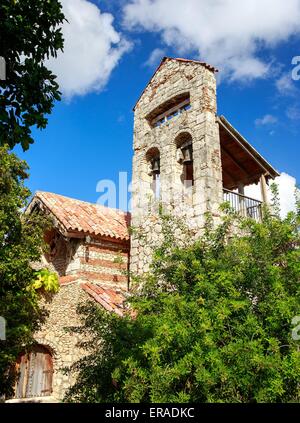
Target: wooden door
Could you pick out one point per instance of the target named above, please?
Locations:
(35, 371)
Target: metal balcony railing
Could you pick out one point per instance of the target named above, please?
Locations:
(245, 206)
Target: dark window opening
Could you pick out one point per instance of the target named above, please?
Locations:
(169, 110)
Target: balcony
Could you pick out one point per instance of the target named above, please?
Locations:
(242, 166)
(244, 206)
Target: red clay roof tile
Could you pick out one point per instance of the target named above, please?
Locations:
(80, 216)
(108, 298)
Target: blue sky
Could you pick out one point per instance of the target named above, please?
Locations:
(89, 135)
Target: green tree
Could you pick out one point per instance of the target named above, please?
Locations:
(21, 243)
(213, 321)
(30, 32)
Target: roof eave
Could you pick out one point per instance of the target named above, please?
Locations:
(66, 232)
(38, 201)
(264, 164)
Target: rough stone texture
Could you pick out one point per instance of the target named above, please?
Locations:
(99, 261)
(173, 79)
(54, 335)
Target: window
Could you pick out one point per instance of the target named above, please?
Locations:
(169, 110)
(186, 107)
(35, 370)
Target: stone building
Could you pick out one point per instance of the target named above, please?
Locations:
(187, 158)
(186, 155)
(89, 250)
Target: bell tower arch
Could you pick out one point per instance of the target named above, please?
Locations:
(176, 150)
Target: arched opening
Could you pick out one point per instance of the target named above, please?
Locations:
(184, 145)
(153, 160)
(35, 373)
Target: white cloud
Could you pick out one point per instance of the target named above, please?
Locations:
(285, 85)
(226, 33)
(293, 113)
(121, 119)
(266, 120)
(155, 57)
(286, 186)
(92, 49)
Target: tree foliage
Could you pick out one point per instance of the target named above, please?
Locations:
(30, 32)
(21, 244)
(213, 321)
(45, 280)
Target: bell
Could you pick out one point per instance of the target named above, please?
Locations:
(187, 155)
(179, 155)
(156, 166)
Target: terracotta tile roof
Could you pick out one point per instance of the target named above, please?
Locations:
(107, 297)
(80, 216)
(178, 59)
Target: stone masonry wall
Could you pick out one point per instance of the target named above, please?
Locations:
(53, 334)
(99, 261)
(105, 262)
(174, 79)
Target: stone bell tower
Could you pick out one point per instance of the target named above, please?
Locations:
(177, 158)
